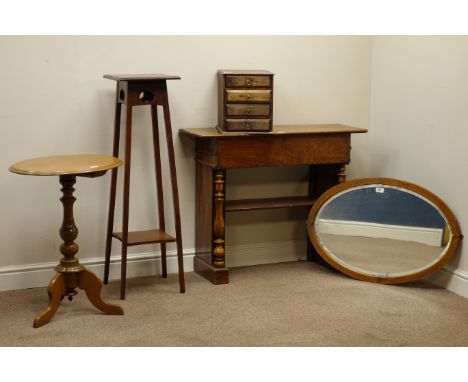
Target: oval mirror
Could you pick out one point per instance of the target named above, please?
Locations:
(383, 230)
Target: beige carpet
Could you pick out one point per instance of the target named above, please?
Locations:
(288, 304)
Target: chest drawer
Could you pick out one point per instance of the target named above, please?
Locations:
(247, 124)
(248, 95)
(245, 100)
(248, 81)
(246, 110)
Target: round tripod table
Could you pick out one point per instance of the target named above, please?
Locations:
(70, 274)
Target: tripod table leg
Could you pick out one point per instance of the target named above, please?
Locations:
(91, 284)
(55, 290)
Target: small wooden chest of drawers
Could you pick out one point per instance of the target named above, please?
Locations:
(245, 100)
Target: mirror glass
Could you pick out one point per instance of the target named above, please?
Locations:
(383, 232)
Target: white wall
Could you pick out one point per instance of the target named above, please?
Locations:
(419, 120)
(55, 101)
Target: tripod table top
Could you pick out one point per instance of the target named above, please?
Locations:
(66, 165)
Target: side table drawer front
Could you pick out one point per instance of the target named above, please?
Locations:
(239, 110)
(247, 81)
(247, 124)
(248, 95)
(268, 150)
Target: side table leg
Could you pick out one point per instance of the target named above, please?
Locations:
(91, 284)
(342, 174)
(321, 178)
(204, 225)
(218, 223)
(55, 290)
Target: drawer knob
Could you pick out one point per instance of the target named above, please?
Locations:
(248, 82)
(247, 126)
(248, 111)
(248, 96)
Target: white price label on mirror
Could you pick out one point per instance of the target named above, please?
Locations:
(380, 190)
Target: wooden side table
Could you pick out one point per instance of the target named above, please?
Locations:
(324, 148)
(70, 273)
(140, 90)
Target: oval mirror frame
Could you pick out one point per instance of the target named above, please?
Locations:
(425, 194)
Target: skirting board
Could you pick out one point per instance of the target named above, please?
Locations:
(149, 263)
(451, 279)
(138, 265)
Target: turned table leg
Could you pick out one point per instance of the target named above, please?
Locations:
(209, 260)
(218, 222)
(70, 273)
(341, 174)
(321, 178)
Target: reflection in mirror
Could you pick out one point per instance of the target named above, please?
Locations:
(384, 231)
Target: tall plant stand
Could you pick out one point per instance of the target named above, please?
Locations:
(143, 90)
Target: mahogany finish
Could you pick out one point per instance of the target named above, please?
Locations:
(273, 150)
(145, 237)
(204, 203)
(140, 77)
(268, 203)
(218, 222)
(322, 178)
(279, 130)
(143, 90)
(70, 273)
(324, 148)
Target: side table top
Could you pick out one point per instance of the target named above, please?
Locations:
(140, 77)
(212, 132)
(65, 165)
